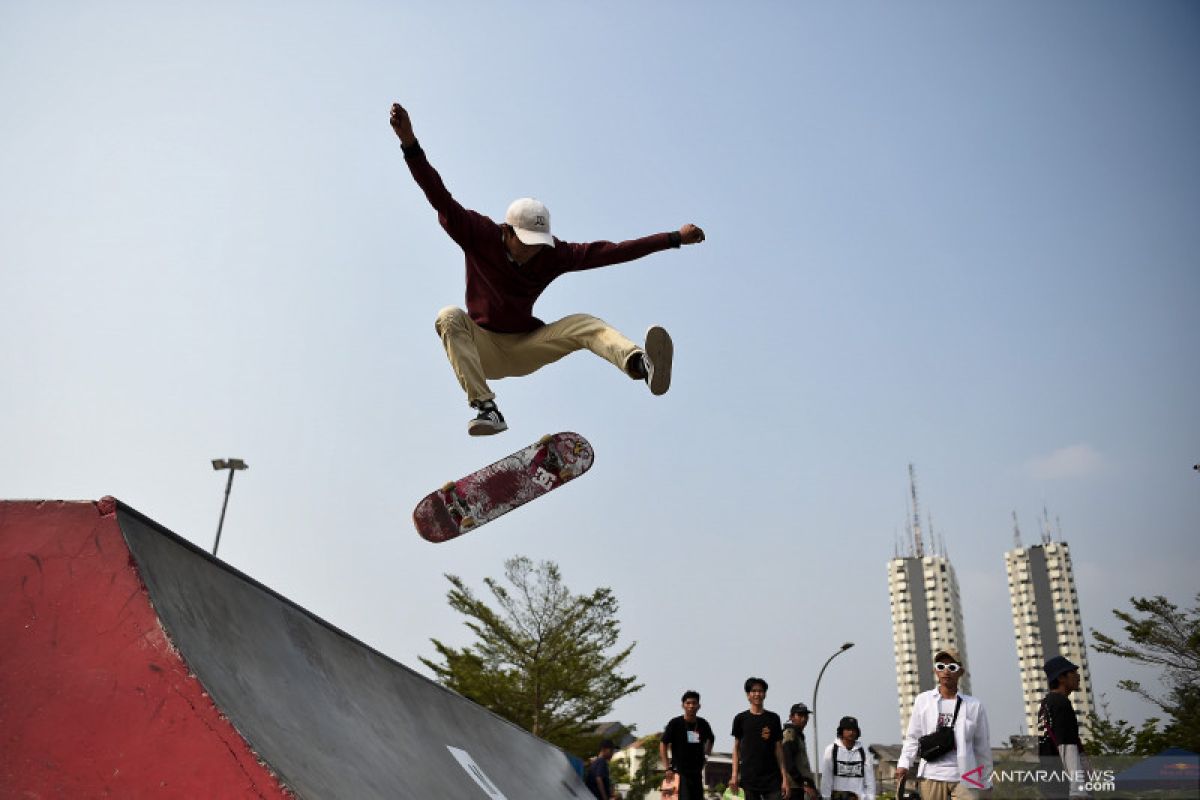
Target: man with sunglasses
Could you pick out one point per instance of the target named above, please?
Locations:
(970, 756)
(507, 267)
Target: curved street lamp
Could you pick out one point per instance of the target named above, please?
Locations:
(816, 731)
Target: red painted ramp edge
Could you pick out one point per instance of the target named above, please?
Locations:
(94, 700)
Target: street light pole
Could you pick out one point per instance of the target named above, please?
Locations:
(233, 465)
(816, 731)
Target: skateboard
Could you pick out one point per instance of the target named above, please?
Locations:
(670, 786)
(465, 504)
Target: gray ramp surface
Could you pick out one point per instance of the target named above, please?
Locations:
(331, 716)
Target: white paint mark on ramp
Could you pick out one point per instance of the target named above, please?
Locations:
(475, 772)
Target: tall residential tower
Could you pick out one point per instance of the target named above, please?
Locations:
(1046, 621)
(926, 611)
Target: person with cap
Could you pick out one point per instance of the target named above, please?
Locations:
(596, 775)
(686, 744)
(948, 733)
(1059, 744)
(847, 769)
(508, 266)
(799, 774)
(758, 768)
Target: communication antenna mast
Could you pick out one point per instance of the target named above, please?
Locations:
(918, 545)
(1016, 532)
(1046, 526)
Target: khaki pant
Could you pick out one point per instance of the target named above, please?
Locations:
(477, 354)
(949, 790)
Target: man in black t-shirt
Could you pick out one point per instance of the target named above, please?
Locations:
(1059, 746)
(690, 741)
(757, 749)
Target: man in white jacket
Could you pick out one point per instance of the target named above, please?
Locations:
(847, 769)
(966, 770)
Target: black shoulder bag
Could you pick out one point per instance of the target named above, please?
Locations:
(933, 746)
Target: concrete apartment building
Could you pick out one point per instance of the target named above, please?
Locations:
(1046, 619)
(926, 612)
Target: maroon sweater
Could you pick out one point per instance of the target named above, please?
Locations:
(500, 292)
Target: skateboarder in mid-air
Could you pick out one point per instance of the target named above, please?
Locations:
(508, 267)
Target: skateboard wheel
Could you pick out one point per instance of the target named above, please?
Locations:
(447, 487)
(467, 523)
(548, 437)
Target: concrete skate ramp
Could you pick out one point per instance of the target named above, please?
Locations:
(328, 716)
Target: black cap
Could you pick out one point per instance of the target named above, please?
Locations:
(1057, 667)
(798, 708)
(849, 723)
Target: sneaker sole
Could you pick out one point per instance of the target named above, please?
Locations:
(661, 351)
(484, 430)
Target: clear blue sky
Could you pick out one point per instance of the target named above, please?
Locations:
(958, 235)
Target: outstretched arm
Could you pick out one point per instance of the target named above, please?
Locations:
(462, 224)
(603, 254)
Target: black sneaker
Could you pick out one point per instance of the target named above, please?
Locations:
(488, 421)
(656, 360)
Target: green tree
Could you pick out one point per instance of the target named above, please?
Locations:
(647, 777)
(1108, 737)
(542, 659)
(1162, 635)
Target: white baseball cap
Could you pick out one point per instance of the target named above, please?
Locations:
(531, 220)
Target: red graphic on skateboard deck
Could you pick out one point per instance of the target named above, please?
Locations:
(491, 492)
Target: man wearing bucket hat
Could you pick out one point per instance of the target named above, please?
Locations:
(1059, 745)
(948, 734)
(508, 266)
(847, 769)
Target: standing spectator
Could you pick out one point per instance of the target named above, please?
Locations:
(964, 749)
(795, 754)
(847, 769)
(596, 777)
(689, 738)
(757, 748)
(1058, 729)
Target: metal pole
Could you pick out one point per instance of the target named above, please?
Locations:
(224, 505)
(816, 732)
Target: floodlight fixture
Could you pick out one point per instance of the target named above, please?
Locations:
(233, 465)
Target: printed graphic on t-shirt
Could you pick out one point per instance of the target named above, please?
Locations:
(849, 769)
(945, 712)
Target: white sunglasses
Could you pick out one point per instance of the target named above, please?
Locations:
(942, 666)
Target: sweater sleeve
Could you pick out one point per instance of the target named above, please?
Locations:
(602, 254)
(462, 224)
(869, 776)
(827, 772)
